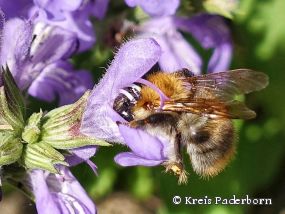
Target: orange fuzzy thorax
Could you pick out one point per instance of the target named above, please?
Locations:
(169, 83)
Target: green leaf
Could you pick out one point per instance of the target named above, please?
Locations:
(12, 107)
(61, 127)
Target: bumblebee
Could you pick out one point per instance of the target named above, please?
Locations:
(197, 113)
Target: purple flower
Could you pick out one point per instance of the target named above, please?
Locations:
(59, 194)
(209, 30)
(134, 59)
(59, 80)
(98, 8)
(82, 154)
(56, 10)
(147, 150)
(36, 57)
(156, 7)
(73, 16)
(76, 22)
(13, 8)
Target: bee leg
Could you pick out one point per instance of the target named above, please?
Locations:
(178, 170)
(177, 166)
(178, 153)
(166, 121)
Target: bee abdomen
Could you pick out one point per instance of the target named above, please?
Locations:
(127, 98)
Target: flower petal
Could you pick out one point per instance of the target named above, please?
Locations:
(99, 8)
(76, 21)
(212, 32)
(221, 58)
(59, 80)
(142, 144)
(80, 155)
(60, 193)
(56, 9)
(177, 53)
(72, 187)
(15, 8)
(80, 24)
(44, 200)
(130, 159)
(15, 45)
(52, 43)
(132, 61)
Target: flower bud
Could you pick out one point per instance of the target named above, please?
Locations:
(32, 130)
(42, 156)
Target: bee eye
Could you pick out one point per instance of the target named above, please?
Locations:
(200, 136)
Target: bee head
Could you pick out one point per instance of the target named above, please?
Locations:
(126, 100)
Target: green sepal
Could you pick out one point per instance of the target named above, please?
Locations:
(32, 130)
(4, 125)
(61, 127)
(12, 107)
(41, 156)
(10, 148)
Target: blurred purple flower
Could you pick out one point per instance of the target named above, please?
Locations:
(73, 16)
(56, 10)
(76, 22)
(177, 53)
(98, 8)
(156, 7)
(59, 194)
(35, 57)
(211, 32)
(15, 8)
(59, 80)
(133, 60)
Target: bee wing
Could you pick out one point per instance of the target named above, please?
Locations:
(210, 108)
(225, 85)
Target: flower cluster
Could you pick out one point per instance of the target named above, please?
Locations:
(38, 40)
(37, 50)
